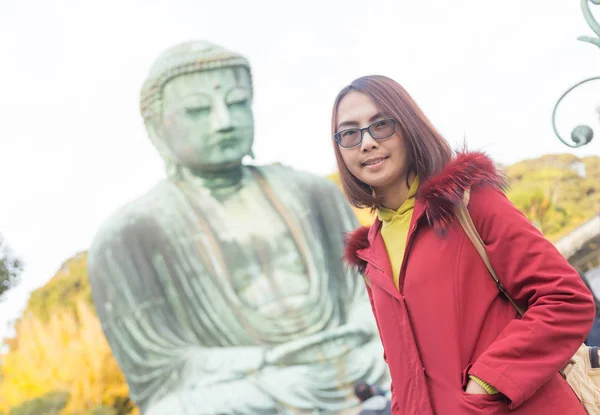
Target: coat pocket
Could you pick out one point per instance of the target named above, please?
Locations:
(475, 404)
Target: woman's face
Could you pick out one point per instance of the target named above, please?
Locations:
(381, 164)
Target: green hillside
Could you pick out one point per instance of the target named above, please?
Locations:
(556, 192)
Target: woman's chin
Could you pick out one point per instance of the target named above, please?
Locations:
(376, 180)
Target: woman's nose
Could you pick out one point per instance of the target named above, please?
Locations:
(368, 142)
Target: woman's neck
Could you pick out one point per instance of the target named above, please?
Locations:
(395, 195)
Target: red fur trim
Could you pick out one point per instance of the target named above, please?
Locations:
(444, 191)
(440, 194)
(356, 241)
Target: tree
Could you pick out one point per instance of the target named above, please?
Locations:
(68, 353)
(10, 268)
(60, 346)
(539, 207)
(49, 404)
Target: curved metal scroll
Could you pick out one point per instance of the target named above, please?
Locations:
(582, 134)
(591, 21)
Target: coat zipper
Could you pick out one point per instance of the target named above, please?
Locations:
(405, 257)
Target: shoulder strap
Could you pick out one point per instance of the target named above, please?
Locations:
(463, 216)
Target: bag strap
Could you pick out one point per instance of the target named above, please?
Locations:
(463, 216)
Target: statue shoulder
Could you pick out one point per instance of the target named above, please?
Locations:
(298, 176)
(135, 217)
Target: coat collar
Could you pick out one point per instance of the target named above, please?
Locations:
(435, 200)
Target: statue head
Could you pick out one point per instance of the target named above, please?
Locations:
(197, 107)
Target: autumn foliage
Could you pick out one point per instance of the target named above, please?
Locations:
(63, 351)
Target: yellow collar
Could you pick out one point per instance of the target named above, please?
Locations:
(387, 215)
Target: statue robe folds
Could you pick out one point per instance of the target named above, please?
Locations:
(162, 275)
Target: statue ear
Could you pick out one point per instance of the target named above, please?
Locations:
(154, 129)
(156, 133)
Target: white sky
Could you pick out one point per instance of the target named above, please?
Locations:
(73, 147)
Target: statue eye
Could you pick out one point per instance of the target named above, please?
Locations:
(196, 105)
(195, 111)
(237, 95)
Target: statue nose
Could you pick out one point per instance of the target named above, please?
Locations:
(222, 118)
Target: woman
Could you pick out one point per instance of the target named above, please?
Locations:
(453, 344)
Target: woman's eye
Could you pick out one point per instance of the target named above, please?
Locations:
(348, 133)
(381, 124)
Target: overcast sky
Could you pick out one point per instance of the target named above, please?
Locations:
(72, 143)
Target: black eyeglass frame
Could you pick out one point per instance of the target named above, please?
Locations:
(338, 136)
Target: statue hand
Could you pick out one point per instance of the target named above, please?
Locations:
(324, 345)
(219, 365)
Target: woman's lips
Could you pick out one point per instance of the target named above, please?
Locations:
(374, 163)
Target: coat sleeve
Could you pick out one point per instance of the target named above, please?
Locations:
(395, 405)
(560, 309)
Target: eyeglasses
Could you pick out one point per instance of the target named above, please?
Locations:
(353, 136)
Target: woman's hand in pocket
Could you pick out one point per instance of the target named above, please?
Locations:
(474, 388)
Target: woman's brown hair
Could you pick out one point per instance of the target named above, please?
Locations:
(428, 151)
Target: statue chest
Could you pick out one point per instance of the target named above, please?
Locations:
(262, 257)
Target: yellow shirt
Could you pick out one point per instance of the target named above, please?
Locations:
(394, 229)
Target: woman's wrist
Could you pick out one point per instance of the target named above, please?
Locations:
(486, 386)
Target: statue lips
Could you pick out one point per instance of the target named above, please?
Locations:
(224, 141)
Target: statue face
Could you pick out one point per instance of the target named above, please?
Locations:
(207, 118)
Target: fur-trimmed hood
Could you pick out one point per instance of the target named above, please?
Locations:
(439, 195)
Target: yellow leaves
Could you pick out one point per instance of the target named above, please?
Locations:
(68, 353)
(68, 286)
(60, 346)
(537, 204)
(556, 192)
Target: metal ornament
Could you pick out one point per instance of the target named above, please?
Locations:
(582, 134)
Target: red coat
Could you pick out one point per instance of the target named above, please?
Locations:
(448, 318)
